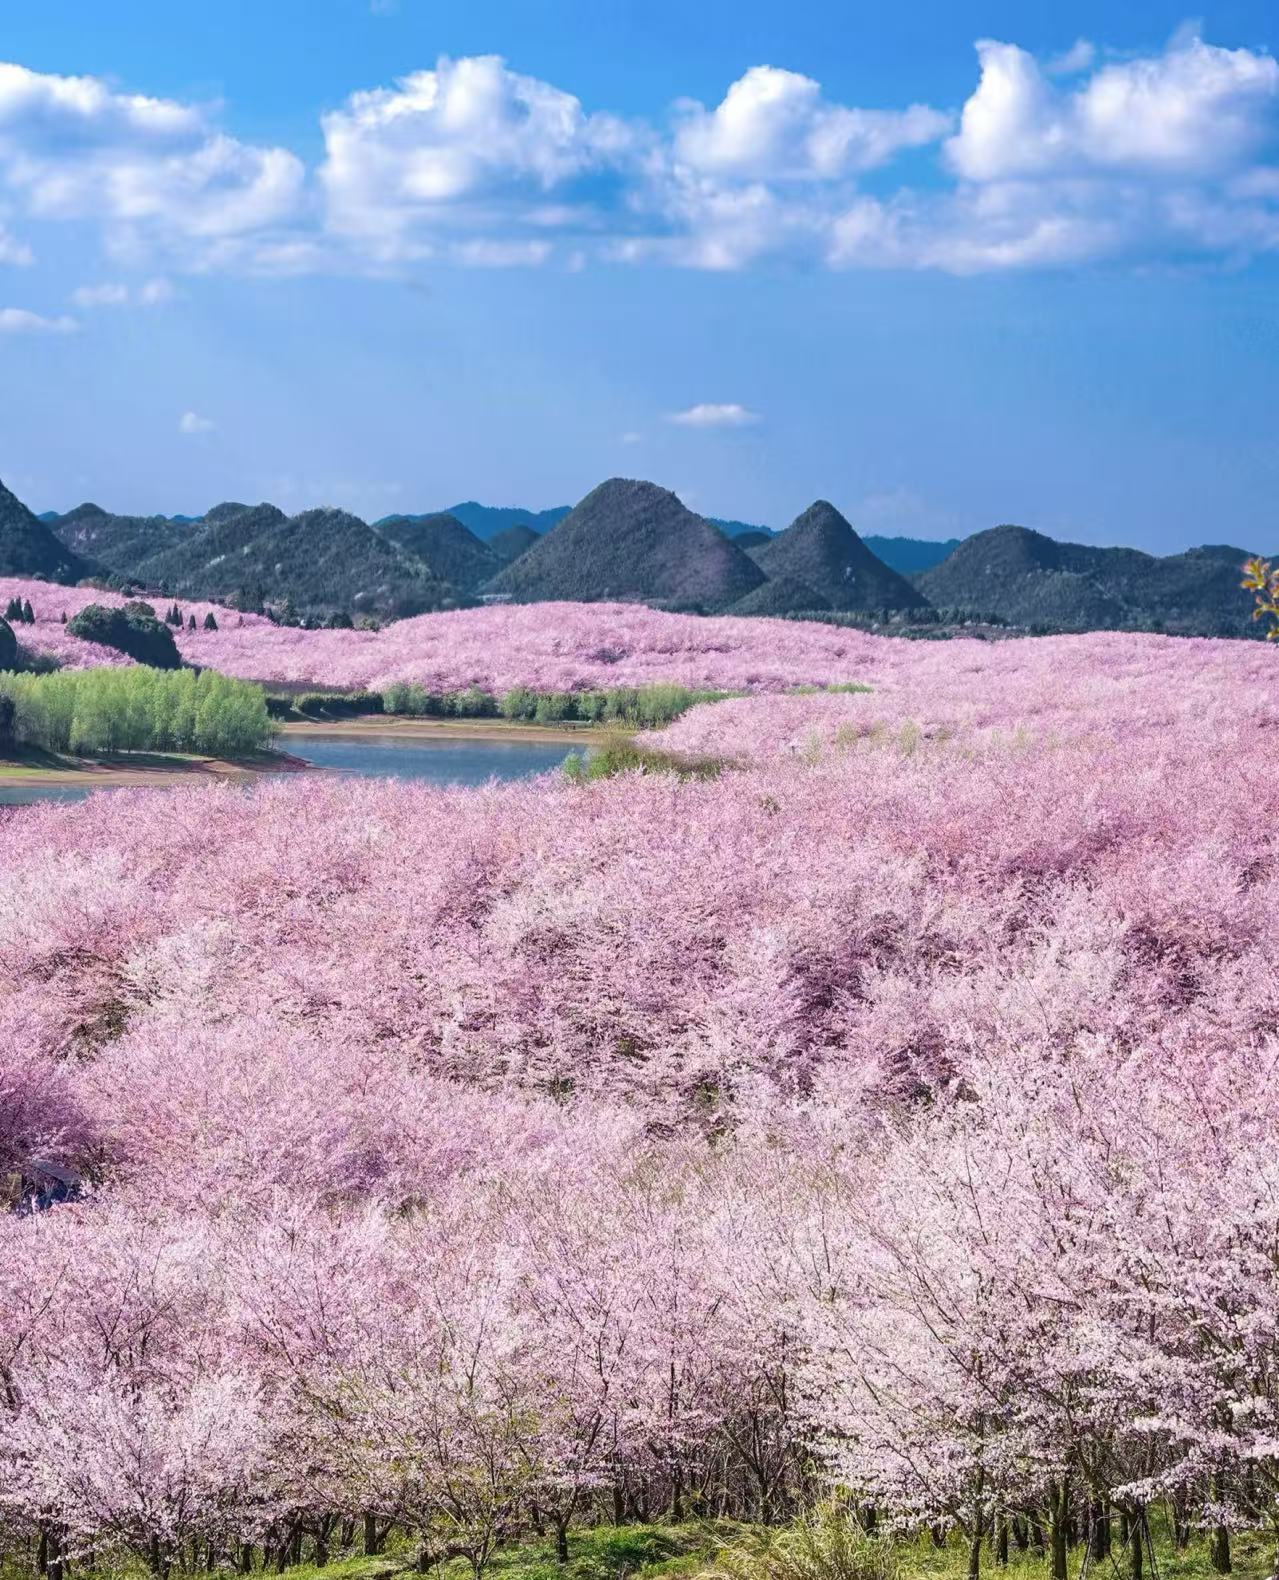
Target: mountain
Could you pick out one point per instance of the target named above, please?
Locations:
(739, 529)
(755, 538)
(511, 542)
(1030, 579)
(213, 550)
(120, 543)
(910, 555)
(781, 596)
(821, 551)
(453, 553)
(486, 521)
(632, 540)
(321, 559)
(224, 511)
(29, 548)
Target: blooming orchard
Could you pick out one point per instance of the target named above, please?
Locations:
(897, 1111)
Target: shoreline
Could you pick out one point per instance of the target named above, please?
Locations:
(151, 770)
(398, 727)
(158, 770)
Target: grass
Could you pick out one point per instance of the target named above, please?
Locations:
(724, 1550)
(620, 753)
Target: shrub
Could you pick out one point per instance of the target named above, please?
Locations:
(518, 703)
(133, 630)
(620, 754)
(8, 646)
(210, 624)
(554, 706)
(826, 1543)
(473, 703)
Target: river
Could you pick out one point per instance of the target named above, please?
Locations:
(437, 762)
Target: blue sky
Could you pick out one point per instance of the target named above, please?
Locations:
(946, 264)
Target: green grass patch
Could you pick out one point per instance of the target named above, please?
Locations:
(619, 753)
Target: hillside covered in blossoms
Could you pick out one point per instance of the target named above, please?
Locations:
(888, 1117)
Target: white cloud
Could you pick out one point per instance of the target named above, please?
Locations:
(1193, 111)
(452, 149)
(710, 415)
(1079, 57)
(73, 148)
(501, 254)
(774, 124)
(151, 293)
(18, 321)
(191, 422)
(631, 437)
(1051, 164)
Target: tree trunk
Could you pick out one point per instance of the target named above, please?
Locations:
(54, 1566)
(1001, 1539)
(1219, 1550)
(1059, 1510)
(1098, 1529)
(561, 1541)
(974, 1553)
(1137, 1545)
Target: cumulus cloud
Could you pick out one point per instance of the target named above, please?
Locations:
(18, 321)
(1194, 111)
(710, 415)
(74, 148)
(191, 422)
(776, 125)
(456, 149)
(1057, 162)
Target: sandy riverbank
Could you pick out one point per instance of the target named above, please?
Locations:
(369, 724)
(143, 770)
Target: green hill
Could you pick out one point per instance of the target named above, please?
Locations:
(452, 552)
(29, 548)
(120, 543)
(632, 540)
(321, 560)
(1032, 580)
(784, 595)
(821, 552)
(511, 542)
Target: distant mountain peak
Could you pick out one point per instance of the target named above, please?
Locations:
(630, 539)
(821, 551)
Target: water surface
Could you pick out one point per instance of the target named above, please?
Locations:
(437, 762)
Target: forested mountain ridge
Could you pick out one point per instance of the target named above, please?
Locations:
(29, 548)
(629, 540)
(452, 551)
(1033, 581)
